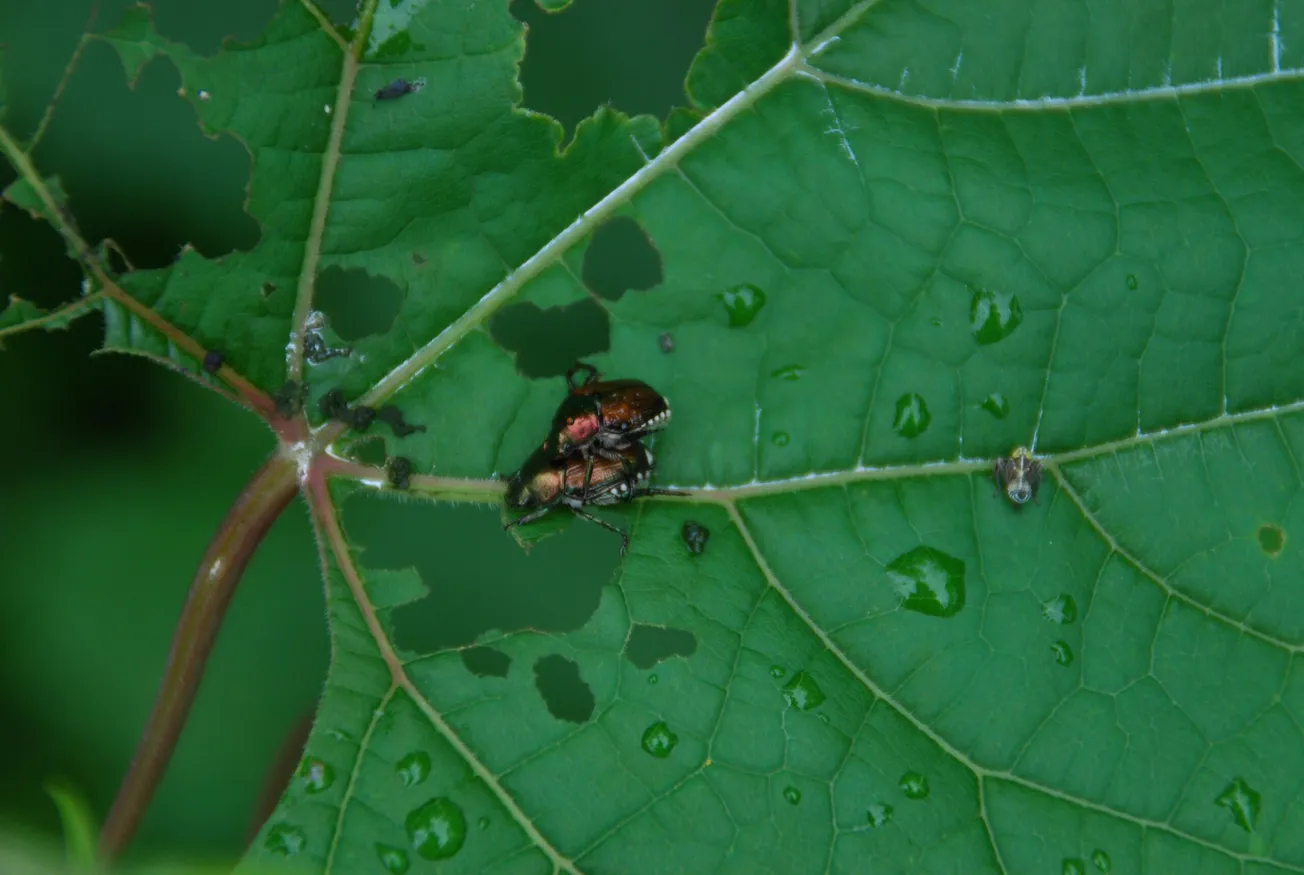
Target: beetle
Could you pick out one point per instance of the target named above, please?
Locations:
(1019, 474)
(604, 417)
(544, 482)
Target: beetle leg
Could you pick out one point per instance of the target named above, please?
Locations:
(651, 490)
(624, 538)
(576, 368)
(528, 518)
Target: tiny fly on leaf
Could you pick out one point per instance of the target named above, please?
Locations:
(1019, 474)
(400, 87)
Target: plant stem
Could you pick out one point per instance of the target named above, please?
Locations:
(268, 493)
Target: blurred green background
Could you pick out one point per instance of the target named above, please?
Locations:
(114, 472)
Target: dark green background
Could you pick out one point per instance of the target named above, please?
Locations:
(114, 472)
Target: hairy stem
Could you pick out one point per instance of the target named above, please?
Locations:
(268, 493)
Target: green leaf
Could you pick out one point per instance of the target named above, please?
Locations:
(79, 826)
(897, 242)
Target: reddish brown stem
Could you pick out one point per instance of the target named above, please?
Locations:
(268, 493)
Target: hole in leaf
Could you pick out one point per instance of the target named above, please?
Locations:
(619, 258)
(486, 662)
(649, 645)
(548, 342)
(562, 688)
(1271, 539)
(633, 55)
(156, 182)
(487, 582)
(356, 303)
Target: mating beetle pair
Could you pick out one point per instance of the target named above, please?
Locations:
(593, 454)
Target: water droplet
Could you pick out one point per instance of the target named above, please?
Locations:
(413, 768)
(1063, 653)
(483, 823)
(394, 860)
(802, 692)
(791, 795)
(791, 373)
(1101, 860)
(777, 671)
(1073, 866)
(742, 304)
(316, 775)
(1243, 801)
(992, 315)
(996, 405)
(878, 814)
(1061, 610)
(1271, 539)
(928, 581)
(658, 740)
(652, 680)
(694, 535)
(667, 342)
(914, 785)
(285, 840)
(780, 438)
(912, 416)
(437, 829)
(1131, 281)
(936, 322)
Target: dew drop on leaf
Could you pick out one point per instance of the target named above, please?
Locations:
(792, 373)
(658, 740)
(928, 581)
(791, 795)
(483, 823)
(1243, 801)
(284, 839)
(802, 692)
(914, 785)
(395, 860)
(1060, 610)
(996, 405)
(777, 671)
(1101, 860)
(1131, 281)
(993, 316)
(780, 438)
(742, 303)
(316, 775)
(652, 680)
(1073, 866)
(878, 814)
(413, 768)
(912, 416)
(437, 829)
(1063, 653)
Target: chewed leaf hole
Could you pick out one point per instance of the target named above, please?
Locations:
(621, 258)
(1271, 539)
(638, 65)
(563, 690)
(548, 342)
(356, 303)
(649, 645)
(486, 662)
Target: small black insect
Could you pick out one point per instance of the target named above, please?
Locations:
(400, 87)
(333, 406)
(213, 361)
(1019, 475)
(400, 472)
(316, 351)
(289, 398)
(391, 415)
(695, 536)
(359, 418)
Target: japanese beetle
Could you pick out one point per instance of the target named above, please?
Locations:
(545, 482)
(604, 417)
(1019, 475)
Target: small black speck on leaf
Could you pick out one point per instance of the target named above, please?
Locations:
(391, 415)
(400, 472)
(695, 536)
(289, 398)
(213, 361)
(360, 417)
(333, 405)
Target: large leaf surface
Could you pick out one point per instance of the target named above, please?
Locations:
(972, 226)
